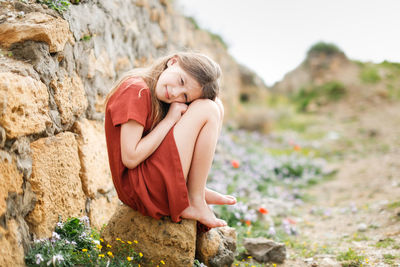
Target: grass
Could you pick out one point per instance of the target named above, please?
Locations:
(351, 258)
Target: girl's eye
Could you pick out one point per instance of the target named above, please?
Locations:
(186, 98)
(182, 82)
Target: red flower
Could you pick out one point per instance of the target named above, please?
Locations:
(297, 148)
(235, 164)
(263, 211)
(248, 222)
(291, 221)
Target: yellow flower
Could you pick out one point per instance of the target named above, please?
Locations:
(110, 254)
(274, 264)
(101, 255)
(123, 242)
(84, 249)
(101, 239)
(139, 265)
(135, 241)
(129, 242)
(140, 254)
(162, 262)
(99, 246)
(129, 258)
(109, 246)
(118, 239)
(249, 257)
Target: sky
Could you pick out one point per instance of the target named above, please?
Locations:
(272, 37)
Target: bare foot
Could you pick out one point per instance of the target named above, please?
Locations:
(216, 198)
(202, 213)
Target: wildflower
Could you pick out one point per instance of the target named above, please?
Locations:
(263, 210)
(129, 242)
(296, 147)
(235, 164)
(110, 254)
(248, 222)
(101, 240)
(129, 258)
(99, 246)
(73, 243)
(109, 246)
(84, 249)
(135, 241)
(39, 258)
(57, 259)
(60, 224)
(55, 236)
(249, 257)
(101, 255)
(118, 239)
(140, 254)
(271, 230)
(162, 262)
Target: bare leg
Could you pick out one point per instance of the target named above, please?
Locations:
(196, 135)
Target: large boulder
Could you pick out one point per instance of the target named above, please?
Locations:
(216, 248)
(158, 240)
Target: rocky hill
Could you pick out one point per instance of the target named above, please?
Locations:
(55, 70)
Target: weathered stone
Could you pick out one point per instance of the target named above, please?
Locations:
(11, 249)
(101, 210)
(265, 250)
(174, 243)
(102, 64)
(39, 27)
(23, 105)
(56, 183)
(11, 179)
(216, 248)
(95, 173)
(69, 95)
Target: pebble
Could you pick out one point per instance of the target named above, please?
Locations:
(362, 227)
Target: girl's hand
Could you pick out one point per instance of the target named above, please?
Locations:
(175, 111)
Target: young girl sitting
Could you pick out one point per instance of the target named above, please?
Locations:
(162, 124)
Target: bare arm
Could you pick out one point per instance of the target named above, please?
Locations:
(221, 109)
(134, 148)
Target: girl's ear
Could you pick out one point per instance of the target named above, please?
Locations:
(172, 61)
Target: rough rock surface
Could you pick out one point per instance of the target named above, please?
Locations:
(95, 173)
(174, 243)
(101, 210)
(23, 105)
(69, 95)
(216, 248)
(11, 250)
(56, 183)
(265, 250)
(39, 27)
(11, 179)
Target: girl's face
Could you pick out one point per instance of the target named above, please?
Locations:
(175, 85)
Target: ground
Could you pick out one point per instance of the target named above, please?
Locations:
(354, 219)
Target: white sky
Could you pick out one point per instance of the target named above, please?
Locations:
(272, 36)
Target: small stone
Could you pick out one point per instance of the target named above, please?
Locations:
(328, 262)
(362, 227)
(265, 250)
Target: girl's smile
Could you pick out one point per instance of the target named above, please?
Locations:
(175, 85)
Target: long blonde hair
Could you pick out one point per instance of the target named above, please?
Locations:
(203, 69)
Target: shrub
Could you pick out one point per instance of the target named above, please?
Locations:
(58, 5)
(369, 74)
(326, 48)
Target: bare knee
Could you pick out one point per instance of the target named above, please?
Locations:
(208, 108)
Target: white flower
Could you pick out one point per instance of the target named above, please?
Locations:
(39, 258)
(57, 259)
(73, 243)
(60, 224)
(55, 236)
(97, 242)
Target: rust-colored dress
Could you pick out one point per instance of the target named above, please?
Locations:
(156, 187)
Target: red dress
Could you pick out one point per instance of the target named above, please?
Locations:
(156, 187)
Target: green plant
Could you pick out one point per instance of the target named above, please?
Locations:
(323, 47)
(58, 5)
(350, 258)
(369, 74)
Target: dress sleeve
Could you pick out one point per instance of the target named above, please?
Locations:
(130, 102)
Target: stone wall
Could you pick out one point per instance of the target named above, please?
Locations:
(55, 71)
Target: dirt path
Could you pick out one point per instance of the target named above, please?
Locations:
(356, 216)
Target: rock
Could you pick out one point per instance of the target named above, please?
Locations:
(38, 27)
(11, 179)
(11, 249)
(23, 105)
(101, 210)
(216, 248)
(95, 174)
(362, 227)
(328, 262)
(69, 95)
(55, 181)
(173, 243)
(265, 250)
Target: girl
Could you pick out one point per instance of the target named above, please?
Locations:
(162, 125)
